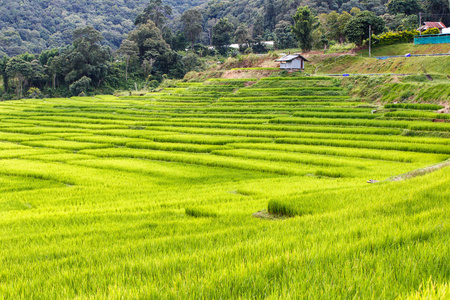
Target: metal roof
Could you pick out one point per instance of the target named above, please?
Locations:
(438, 25)
(291, 57)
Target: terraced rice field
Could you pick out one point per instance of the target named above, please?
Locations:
(153, 197)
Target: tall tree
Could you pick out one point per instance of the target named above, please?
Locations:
(269, 15)
(3, 73)
(129, 49)
(88, 58)
(21, 70)
(55, 66)
(357, 29)
(334, 25)
(343, 19)
(157, 12)
(284, 38)
(258, 27)
(241, 35)
(222, 33)
(192, 23)
(149, 41)
(304, 24)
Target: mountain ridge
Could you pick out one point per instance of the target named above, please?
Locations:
(37, 25)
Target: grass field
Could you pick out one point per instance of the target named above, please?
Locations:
(403, 48)
(365, 65)
(154, 197)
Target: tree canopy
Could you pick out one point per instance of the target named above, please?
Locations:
(157, 12)
(192, 21)
(222, 34)
(304, 24)
(36, 25)
(407, 7)
(357, 29)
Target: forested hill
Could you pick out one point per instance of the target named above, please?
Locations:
(36, 25)
(255, 12)
(248, 11)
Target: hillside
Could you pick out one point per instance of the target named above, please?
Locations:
(404, 48)
(36, 25)
(252, 11)
(348, 63)
(427, 80)
(227, 189)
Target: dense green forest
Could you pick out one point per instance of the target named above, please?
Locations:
(36, 25)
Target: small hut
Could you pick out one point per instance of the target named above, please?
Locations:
(292, 62)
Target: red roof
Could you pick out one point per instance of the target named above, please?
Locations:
(438, 25)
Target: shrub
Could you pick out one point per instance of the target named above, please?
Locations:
(431, 31)
(80, 86)
(390, 38)
(34, 93)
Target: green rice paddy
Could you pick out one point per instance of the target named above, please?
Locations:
(224, 190)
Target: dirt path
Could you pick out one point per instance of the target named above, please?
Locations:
(420, 172)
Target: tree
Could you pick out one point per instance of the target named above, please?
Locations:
(21, 70)
(357, 29)
(408, 22)
(45, 56)
(149, 41)
(38, 76)
(179, 41)
(222, 33)
(86, 35)
(169, 64)
(129, 49)
(407, 7)
(156, 12)
(334, 25)
(343, 19)
(400, 22)
(209, 30)
(3, 73)
(192, 21)
(88, 57)
(304, 24)
(241, 35)
(284, 38)
(269, 15)
(258, 27)
(80, 86)
(439, 9)
(56, 65)
(191, 62)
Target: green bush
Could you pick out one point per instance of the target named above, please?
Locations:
(390, 38)
(80, 86)
(431, 31)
